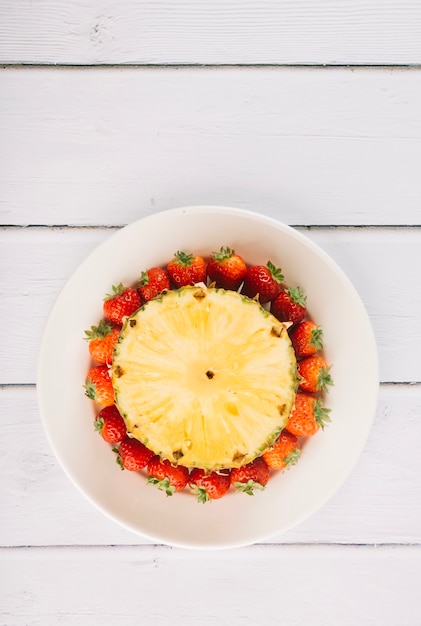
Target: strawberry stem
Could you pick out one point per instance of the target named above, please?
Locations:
(297, 295)
(181, 258)
(275, 272)
(224, 253)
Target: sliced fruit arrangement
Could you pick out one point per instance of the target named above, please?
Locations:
(209, 373)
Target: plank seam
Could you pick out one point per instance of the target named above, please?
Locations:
(178, 65)
(153, 546)
(297, 226)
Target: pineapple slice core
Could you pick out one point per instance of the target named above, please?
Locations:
(204, 377)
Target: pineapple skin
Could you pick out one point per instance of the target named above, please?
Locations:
(204, 377)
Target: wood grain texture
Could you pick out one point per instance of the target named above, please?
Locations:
(212, 32)
(378, 503)
(381, 263)
(107, 146)
(99, 587)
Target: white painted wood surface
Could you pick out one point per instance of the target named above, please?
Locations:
(309, 145)
(211, 31)
(335, 151)
(308, 586)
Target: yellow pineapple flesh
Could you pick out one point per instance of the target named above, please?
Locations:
(204, 377)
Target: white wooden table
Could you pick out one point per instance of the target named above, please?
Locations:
(306, 111)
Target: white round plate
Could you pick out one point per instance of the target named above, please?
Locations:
(236, 519)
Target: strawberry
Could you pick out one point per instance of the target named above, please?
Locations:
(132, 454)
(289, 305)
(306, 339)
(98, 385)
(124, 301)
(152, 283)
(254, 475)
(307, 416)
(226, 269)
(102, 339)
(263, 281)
(284, 453)
(167, 477)
(186, 269)
(208, 486)
(110, 424)
(314, 374)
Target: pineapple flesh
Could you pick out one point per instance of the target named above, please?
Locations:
(204, 377)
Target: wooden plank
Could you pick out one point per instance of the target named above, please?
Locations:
(378, 503)
(212, 32)
(382, 264)
(313, 146)
(318, 585)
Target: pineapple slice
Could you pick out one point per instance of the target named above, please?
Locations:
(204, 377)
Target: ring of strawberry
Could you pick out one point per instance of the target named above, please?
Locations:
(252, 476)
(153, 282)
(307, 416)
(169, 478)
(102, 339)
(132, 454)
(263, 281)
(284, 453)
(186, 269)
(208, 486)
(306, 339)
(289, 305)
(98, 385)
(313, 374)
(110, 424)
(226, 269)
(121, 303)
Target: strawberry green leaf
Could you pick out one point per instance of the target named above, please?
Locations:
(321, 414)
(316, 338)
(324, 379)
(99, 424)
(117, 291)
(144, 279)
(297, 295)
(200, 492)
(292, 458)
(118, 458)
(163, 485)
(98, 332)
(223, 254)
(181, 258)
(90, 389)
(248, 487)
(275, 272)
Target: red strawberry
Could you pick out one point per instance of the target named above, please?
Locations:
(306, 339)
(289, 305)
(209, 486)
(264, 281)
(314, 374)
(133, 455)
(227, 269)
(102, 339)
(152, 283)
(124, 301)
(307, 416)
(186, 269)
(110, 424)
(284, 453)
(167, 477)
(98, 385)
(254, 475)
